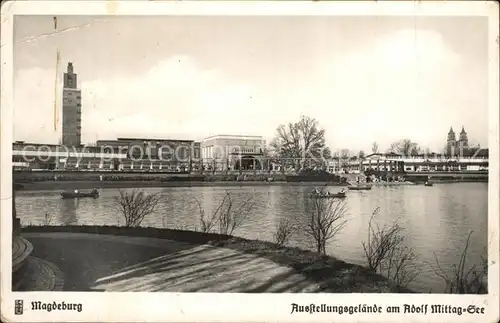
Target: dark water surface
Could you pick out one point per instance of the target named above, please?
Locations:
(436, 219)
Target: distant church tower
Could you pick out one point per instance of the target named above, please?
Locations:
(72, 110)
(451, 142)
(463, 141)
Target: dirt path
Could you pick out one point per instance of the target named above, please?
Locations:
(95, 262)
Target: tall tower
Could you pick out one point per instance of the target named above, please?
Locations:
(451, 142)
(463, 141)
(72, 110)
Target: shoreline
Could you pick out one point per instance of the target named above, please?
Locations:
(89, 184)
(61, 185)
(331, 274)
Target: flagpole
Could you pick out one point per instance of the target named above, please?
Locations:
(58, 58)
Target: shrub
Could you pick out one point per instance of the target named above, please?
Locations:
(232, 215)
(472, 281)
(283, 231)
(227, 215)
(386, 253)
(325, 221)
(135, 206)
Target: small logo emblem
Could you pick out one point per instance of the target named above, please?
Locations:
(18, 307)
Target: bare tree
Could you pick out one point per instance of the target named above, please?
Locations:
(227, 215)
(405, 147)
(325, 221)
(374, 148)
(387, 254)
(400, 265)
(232, 215)
(135, 206)
(361, 154)
(283, 232)
(472, 281)
(302, 141)
(207, 223)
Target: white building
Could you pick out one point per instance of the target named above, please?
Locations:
(232, 152)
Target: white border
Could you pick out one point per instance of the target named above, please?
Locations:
(162, 307)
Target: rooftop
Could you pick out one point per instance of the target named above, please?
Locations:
(153, 139)
(234, 136)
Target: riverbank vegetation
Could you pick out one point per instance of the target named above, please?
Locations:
(462, 280)
(386, 253)
(228, 214)
(134, 206)
(324, 221)
(284, 230)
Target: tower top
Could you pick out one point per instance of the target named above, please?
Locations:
(451, 130)
(70, 77)
(463, 130)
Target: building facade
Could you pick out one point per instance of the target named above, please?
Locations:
(154, 154)
(422, 163)
(71, 110)
(168, 150)
(233, 152)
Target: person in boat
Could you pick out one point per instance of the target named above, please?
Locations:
(76, 191)
(94, 191)
(342, 191)
(316, 191)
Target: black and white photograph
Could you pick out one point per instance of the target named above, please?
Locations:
(252, 153)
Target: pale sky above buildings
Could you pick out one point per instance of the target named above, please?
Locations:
(364, 79)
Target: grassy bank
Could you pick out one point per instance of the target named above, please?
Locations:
(67, 185)
(331, 274)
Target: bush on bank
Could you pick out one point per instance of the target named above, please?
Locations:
(331, 274)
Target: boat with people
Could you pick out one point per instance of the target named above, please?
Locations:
(359, 188)
(321, 195)
(78, 194)
(329, 195)
(428, 184)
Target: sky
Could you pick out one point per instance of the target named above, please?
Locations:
(364, 79)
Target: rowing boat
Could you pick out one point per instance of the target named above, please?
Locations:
(360, 188)
(328, 196)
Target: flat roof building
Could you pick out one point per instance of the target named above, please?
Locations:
(229, 152)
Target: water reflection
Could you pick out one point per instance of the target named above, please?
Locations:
(436, 219)
(68, 211)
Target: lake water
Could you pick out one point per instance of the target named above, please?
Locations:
(436, 219)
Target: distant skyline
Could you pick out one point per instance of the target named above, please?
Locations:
(364, 79)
